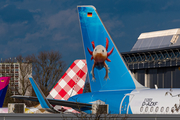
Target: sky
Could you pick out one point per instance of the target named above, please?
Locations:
(31, 26)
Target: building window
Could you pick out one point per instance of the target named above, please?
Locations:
(7, 75)
(16, 83)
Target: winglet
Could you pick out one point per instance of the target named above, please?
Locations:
(41, 97)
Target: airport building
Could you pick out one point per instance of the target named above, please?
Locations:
(155, 59)
(19, 74)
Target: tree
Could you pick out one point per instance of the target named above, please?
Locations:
(47, 69)
(25, 69)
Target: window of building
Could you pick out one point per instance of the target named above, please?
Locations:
(7, 74)
(16, 83)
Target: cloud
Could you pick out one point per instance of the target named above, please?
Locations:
(176, 20)
(62, 18)
(10, 14)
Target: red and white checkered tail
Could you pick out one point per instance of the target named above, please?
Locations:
(72, 82)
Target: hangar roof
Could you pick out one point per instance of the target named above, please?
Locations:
(157, 40)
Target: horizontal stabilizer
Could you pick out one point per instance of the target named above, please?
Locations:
(74, 105)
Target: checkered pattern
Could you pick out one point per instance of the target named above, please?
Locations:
(72, 82)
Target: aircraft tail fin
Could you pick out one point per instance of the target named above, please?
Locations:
(106, 67)
(4, 81)
(41, 97)
(71, 83)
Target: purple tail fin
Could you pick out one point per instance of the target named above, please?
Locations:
(4, 81)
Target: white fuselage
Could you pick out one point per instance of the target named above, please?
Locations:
(155, 101)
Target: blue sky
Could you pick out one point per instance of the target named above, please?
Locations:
(30, 26)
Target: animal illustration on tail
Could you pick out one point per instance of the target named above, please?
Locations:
(100, 54)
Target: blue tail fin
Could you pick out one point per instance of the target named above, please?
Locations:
(107, 69)
(42, 99)
(4, 81)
